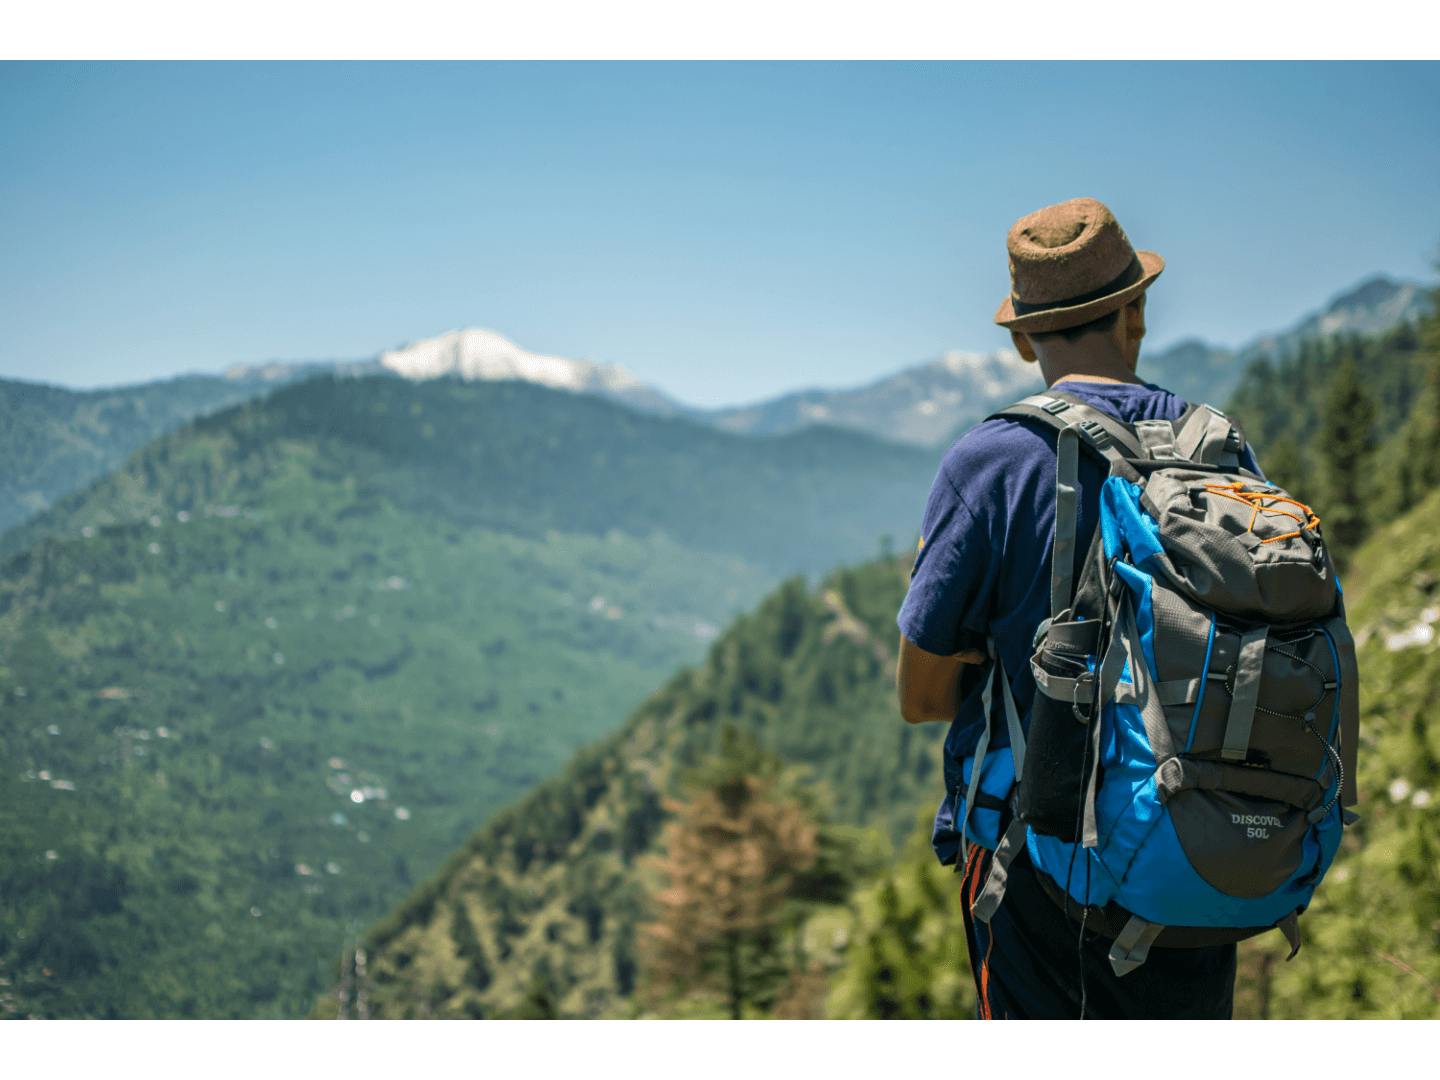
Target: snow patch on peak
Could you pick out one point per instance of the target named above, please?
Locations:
(480, 354)
(957, 362)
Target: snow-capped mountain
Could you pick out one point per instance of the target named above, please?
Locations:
(478, 354)
(930, 403)
(472, 354)
(925, 404)
(921, 404)
(485, 354)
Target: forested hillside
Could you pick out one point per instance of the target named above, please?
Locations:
(278, 667)
(1349, 425)
(538, 913)
(55, 440)
(546, 909)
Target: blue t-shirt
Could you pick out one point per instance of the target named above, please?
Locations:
(983, 568)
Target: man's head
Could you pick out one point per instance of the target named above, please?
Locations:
(1108, 347)
(1077, 291)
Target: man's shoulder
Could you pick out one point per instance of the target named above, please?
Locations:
(997, 449)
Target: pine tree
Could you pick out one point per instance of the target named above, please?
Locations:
(1347, 443)
(732, 854)
(469, 948)
(1285, 466)
(1414, 462)
(1422, 431)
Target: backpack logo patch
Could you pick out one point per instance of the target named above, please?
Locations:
(1257, 826)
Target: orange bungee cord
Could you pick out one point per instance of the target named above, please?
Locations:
(1270, 503)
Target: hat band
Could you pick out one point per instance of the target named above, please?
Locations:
(1126, 278)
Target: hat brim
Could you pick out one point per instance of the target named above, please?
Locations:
(1039, 322)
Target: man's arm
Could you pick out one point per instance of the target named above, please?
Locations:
(928, 685)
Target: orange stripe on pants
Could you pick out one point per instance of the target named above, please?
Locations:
(973, 875)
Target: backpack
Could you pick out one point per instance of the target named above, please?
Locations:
(1189, 762)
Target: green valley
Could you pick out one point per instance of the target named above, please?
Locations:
(269, 674)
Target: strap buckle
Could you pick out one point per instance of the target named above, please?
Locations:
(1055, 406)
(1096, 433)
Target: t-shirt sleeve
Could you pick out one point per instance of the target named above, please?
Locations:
(946, 609)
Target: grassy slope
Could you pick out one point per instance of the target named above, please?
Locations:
(1374, 930)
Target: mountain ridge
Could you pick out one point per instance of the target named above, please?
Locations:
(60, 439)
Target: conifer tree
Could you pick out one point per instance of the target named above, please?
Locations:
(1347, 442)
(469, 948)
(1285, 466)
(732, 854)
(1422, 430)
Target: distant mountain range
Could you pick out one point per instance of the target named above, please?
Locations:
(933, 402)
(54, 441)
(927, 404)
(921, 405)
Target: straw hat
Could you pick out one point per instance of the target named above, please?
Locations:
(1071, 263)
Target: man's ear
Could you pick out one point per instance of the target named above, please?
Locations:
(1132, 323)
(1135, 319)
(1023, 346)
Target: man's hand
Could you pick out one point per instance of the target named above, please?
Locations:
(928, 685)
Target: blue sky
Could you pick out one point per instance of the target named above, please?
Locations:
(725, 231)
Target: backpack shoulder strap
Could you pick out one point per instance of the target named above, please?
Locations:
(1013, 726)
(1074, 422)
(1013, 838)
(1112, 439)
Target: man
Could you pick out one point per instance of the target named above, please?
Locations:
(1077, 309)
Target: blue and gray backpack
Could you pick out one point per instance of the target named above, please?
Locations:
(1189, 762)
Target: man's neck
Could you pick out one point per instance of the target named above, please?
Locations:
(1083, 377)
(1097, 373)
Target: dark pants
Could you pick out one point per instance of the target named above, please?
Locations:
(1028, 962)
